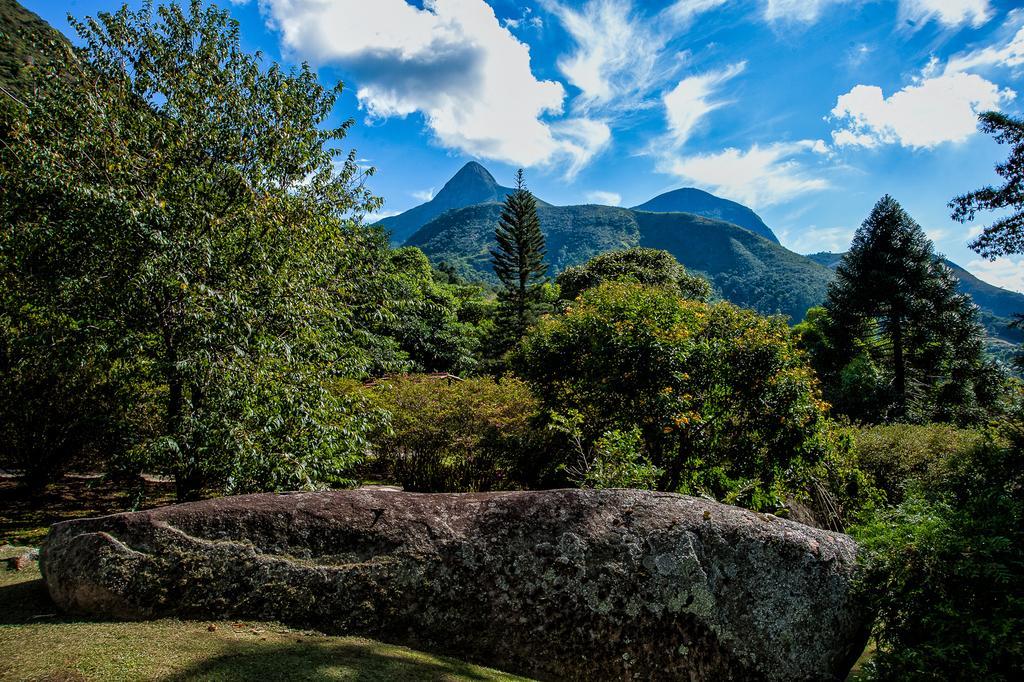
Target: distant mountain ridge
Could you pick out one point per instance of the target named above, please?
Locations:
(699, 202)
(744, 267)
(724, 241)
(26, 39)
(473, 184)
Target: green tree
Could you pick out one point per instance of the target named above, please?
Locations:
(455, 436)
(519, 263)
(425, 315)
(894, 305)
(184, 222)
(1006, 235)
(723, 400)
(646, 266)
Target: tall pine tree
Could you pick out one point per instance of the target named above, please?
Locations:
(519, 263)
(894, 305)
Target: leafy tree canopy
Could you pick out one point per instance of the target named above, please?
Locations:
(722, 398)
(944, 569)
(645, 266)
(899, 336)
(182, 224)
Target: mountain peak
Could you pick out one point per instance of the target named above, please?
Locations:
(699, 202)
(472, 179)
(472, 184)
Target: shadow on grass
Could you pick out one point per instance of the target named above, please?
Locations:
(25, 602)
(360, 661)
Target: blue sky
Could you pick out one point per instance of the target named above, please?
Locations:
(806, 110)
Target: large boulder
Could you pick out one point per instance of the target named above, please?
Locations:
(564, 584)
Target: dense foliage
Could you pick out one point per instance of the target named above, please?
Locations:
(447, 435)
(177, 257)
(644, 266)
(895, 339)
(723, 401)
(898, 457)
(945, 571)
(431, 319)
(743, 267)
(186, 288)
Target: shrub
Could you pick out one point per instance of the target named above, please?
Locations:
(835, 490)
(616, 459)
(652, 267)
(900, 455)
(945, 571)
(723, 400)
(446, 435)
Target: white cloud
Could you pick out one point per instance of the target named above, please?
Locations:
(952, 13)
(525, 20)
(617, 53)
(685, 11)
(690, 101)
(620, 54)
(1004, 272)
(814, 239)
(453, 62)
(580, 139)
(806, 11)
(758, 176)
(933, 111)
(604, 198)
(423, 194)
(1008, 54)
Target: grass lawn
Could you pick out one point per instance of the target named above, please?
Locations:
(39, 644)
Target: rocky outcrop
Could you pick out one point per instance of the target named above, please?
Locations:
(567, 584)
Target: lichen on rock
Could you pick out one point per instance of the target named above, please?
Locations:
(563, 584)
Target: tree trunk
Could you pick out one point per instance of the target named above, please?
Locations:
(899, 368)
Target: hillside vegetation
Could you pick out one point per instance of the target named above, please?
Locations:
(473, 184)
(743, 267)
(190, 296)
(462, 237)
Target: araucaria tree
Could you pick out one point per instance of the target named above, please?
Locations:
(519, 263)
(895, 316)
(1006, 235)
(175, 221)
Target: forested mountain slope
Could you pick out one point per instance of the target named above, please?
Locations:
(699, 202)
(744, 267)
(472, 185)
